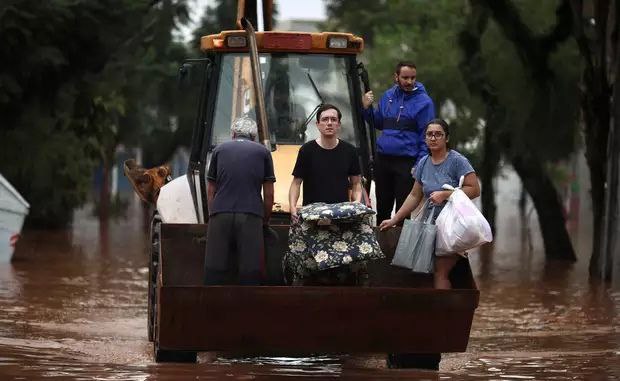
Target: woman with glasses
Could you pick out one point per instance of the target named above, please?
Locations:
(442, 166)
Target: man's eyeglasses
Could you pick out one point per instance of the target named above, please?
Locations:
(328, 119)
(436, 135)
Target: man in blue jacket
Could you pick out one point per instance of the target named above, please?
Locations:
(402, 114)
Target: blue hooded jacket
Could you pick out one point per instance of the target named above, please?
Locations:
(402, 117)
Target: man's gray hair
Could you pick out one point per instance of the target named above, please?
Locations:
(244, 126)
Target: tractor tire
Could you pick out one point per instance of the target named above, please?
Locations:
(162, 355)
(154, 250)
(414, 360)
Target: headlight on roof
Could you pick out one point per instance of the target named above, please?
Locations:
(338, 42)
(236, 41)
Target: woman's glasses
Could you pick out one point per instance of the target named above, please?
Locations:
(436, 135)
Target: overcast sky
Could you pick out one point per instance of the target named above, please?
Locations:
(301, 9)
(287, 9)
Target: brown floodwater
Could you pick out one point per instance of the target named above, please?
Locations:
(74, 307)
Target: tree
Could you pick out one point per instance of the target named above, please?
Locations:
(474, 69)
(63, 91)
(546, 117)
(362, 17)
(216, 18)
(395, 32)
(507, 96)
(596, 28)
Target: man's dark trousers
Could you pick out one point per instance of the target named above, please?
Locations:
(393, 182)
(234, 241)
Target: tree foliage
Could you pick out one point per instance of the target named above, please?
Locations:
(73, 72)
(596, 26)
(511, 77)
(217, 17)
(424, 32)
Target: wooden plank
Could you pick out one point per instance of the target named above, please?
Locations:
(315, 319)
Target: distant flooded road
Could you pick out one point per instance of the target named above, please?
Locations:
(74, 307)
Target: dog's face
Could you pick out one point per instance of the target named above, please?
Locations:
(151, 181)
(147, 182)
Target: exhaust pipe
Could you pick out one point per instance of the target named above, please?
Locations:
(261, 115)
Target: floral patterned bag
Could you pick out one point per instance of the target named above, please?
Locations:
(329, 236)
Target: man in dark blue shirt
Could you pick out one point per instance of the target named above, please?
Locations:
(238, 171)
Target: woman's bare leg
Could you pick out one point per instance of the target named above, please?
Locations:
(443, 265)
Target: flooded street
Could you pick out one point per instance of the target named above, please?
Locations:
(74, 307)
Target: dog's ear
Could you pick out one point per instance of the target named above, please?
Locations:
(163, 171)
(130, 164)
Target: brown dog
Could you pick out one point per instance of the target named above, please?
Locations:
(146, 182)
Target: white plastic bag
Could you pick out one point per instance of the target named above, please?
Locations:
(460, 225)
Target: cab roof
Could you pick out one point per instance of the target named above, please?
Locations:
(278, 41)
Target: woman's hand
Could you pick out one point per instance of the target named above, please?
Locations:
(387, 224)
(438, 197)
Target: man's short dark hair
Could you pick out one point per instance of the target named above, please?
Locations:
(325, 107)
(404, 63)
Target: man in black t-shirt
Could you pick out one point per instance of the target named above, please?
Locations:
(239, 170)
(327, 167)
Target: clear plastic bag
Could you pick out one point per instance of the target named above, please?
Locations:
(460, 225)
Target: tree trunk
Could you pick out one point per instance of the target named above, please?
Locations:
(610, 242)
(104, 202)
(490, 158)
(612, 239)
(595, 106)
(104, 193)
(487, 195)
(534, 51)
(473, 69)
(107, 159)
(595, 31)
(610, 249)
(548, 206)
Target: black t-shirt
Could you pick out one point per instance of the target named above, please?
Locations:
(239, 169)
(325, 172)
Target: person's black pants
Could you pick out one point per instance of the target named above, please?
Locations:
(393, 182)
(234, 249)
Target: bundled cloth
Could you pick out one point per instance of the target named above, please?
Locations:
(460, 225)
(329, 236)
